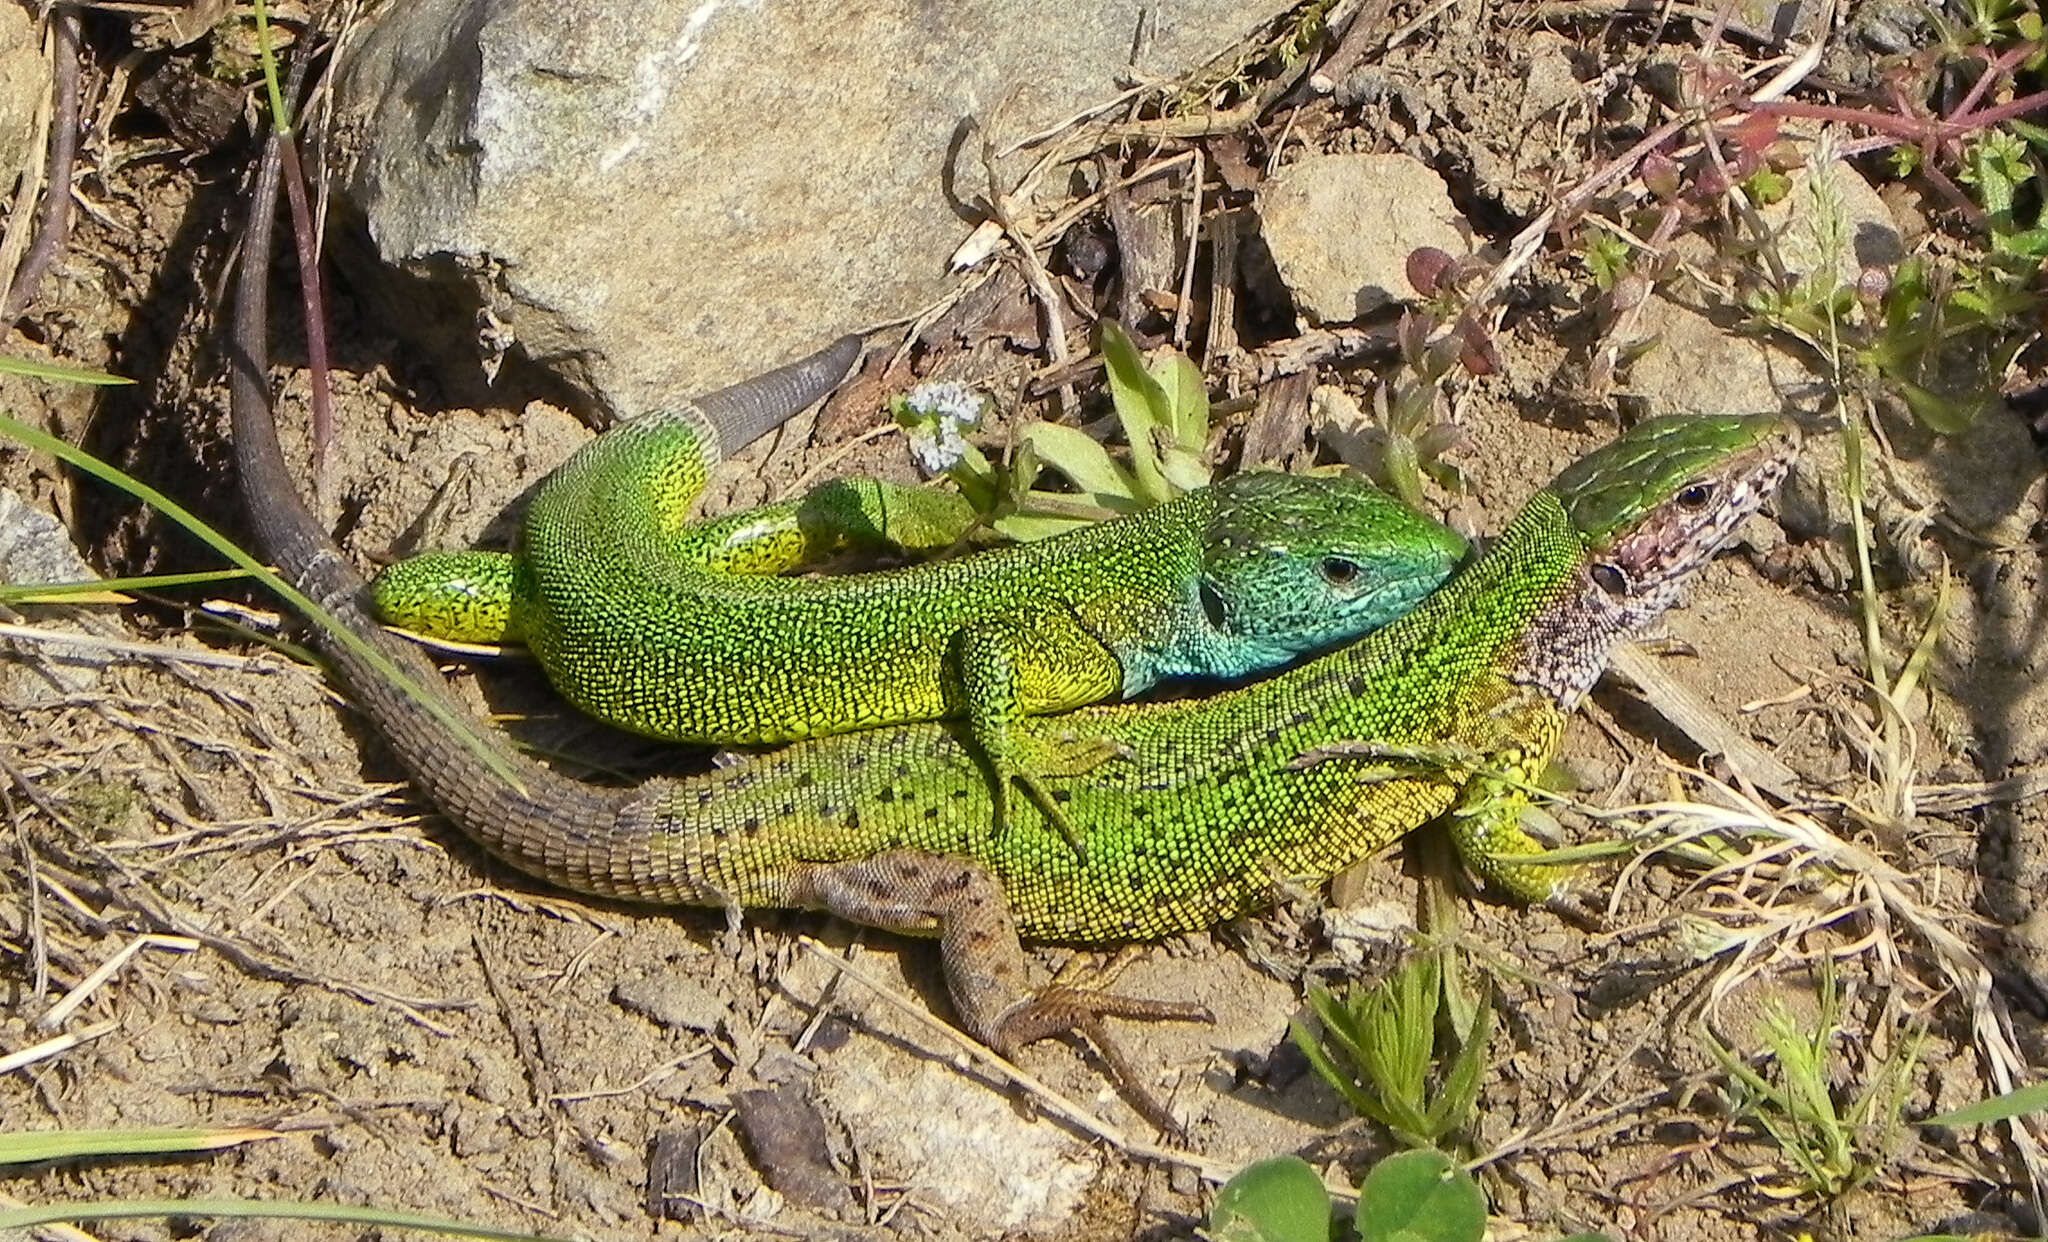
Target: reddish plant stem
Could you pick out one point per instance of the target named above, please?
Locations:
(1995, 71)
(54, 229)
(1908, 128)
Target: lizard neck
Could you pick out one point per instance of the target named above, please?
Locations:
(1566, 644)
(1500, 610)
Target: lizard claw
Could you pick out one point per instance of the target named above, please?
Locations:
(1076, 757)
(1056, 1010)
(1573, 908)
(1055, 814)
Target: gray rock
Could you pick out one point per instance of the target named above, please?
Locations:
(36, 548)
(1341, 228)
(658, 198)
(1831, 212)
(673, 1001)
(24, 85)
(1699, 367)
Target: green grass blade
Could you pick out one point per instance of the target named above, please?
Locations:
(57, 372)
(253, 1209)
(461, 726)
(60, 592)
(2014, 1103)
(36, 1146)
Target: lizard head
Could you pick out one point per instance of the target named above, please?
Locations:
(1295, 563)
(1646, 511)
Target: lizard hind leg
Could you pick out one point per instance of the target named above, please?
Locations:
(961, 901)
(463, 597)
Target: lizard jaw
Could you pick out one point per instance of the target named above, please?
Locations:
(1619, 590)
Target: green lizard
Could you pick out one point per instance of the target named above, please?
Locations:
(1191, 816)
(683, 632)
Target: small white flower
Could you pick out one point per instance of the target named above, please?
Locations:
(934, 412)
(937, 446)
(945, 400)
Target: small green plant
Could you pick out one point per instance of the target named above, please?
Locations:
(1412, 1196)
(1831, 1149)
(1411, 427)
(1391, 1051)
(1937, 336)
(1162, 404)
(1607, 260)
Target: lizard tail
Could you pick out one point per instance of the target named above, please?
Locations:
(752, 408)
(531, 817)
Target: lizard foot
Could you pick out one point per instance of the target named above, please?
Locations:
(1056, 1010)
(1048, 805)
(1074, 757)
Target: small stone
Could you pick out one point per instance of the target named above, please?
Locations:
(1831, 212)
(36, 548)
(1341, 227)
(1550, 80)
(673, 1002)
(1698, 367)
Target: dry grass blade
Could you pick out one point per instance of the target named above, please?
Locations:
(1796, 877)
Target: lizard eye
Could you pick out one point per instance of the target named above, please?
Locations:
(1695, 496)
(1338, 571)
(1212, 606)
(1610, 579)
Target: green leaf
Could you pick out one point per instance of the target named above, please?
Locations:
(1941, 415)
(2029, 243)
(36, 368)
(1459, 1092)
(1606, 259)
(1187, 401)
(1420, 1196)
(1085, 463)
(1141, 406)
(1033, 527)
(1403, 471)
(35, 1146)
(978, 480)
(1276, 1200)
(1766, 186)
(2034, 134)
(2015, 1103)
(1186, 471)
(1320, 1061)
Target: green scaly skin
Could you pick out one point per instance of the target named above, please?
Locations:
(1201, 805)
(681, 631)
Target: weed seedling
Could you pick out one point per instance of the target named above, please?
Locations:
(1162, 404)
(1385, 1051)
(1830, 1149)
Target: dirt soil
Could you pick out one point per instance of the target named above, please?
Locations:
(303, 945)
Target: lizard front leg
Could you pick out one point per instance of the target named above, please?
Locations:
(1031, 662)
(961, 902)
(1486, 823)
